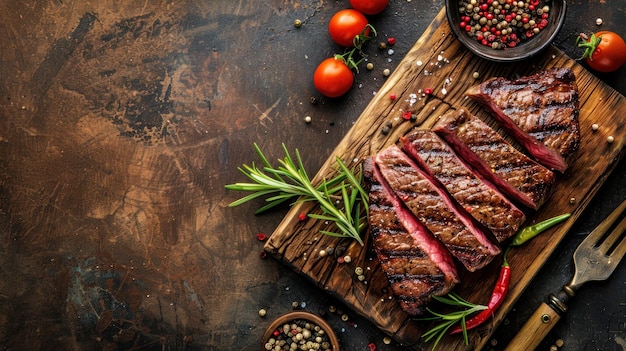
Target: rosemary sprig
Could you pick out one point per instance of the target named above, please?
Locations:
(342, 199)
(450, 319)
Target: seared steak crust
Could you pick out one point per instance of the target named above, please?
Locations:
(435, 210)
(415, 263)
(476, 195)
(540, 111)
(516, 175)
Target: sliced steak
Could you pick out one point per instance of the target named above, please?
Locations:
(475, 194)
(416, 264)
(515, 174)
(540, 111)
(435, 210)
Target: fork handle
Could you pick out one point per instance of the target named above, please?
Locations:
(538, 325)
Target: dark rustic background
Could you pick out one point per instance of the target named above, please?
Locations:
(120, 124)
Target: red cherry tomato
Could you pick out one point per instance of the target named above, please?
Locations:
(333, 77)
(369, 7)
(347, 24)
(605, 51)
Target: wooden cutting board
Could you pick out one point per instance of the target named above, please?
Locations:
(438, 61)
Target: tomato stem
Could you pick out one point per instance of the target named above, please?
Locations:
(589, 44)
(348, 56)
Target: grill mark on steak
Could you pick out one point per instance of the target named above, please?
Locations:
(473, 192)
(435, 210)
(539, 110)
(415, 263)
(516, 175)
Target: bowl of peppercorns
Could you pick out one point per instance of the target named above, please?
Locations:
(299, 330)
(506, 30)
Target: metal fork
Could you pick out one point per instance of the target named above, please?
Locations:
(594, 259)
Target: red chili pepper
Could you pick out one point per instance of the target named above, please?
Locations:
(497, 296)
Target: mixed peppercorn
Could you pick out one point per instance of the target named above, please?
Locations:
(298, 335)
(503, 24)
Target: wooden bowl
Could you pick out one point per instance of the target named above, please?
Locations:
(524, 50)
(301, 315)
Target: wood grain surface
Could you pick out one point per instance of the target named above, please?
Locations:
(438, 61)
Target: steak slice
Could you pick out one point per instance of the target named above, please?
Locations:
(416, 264)
(435, 210)
(539, 110)
(515, 174)
(475, 194)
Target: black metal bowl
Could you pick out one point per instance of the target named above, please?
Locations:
(525, 49)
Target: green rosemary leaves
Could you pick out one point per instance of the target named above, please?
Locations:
(342, 199)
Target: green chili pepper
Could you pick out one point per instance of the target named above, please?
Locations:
(531, 231)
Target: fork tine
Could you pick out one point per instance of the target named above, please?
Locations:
(619, 251)
(613, 237)
(596, 235)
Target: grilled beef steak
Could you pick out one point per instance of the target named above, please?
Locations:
(540, 111)
(476, 195)
(416, 264)
(435, 210)
(516, 175)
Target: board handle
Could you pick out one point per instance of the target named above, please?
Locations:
(537, 326)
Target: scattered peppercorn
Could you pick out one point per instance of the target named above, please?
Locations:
(391, 41)
(297, 23)
(475, 75)
(385, 130)
(302, 216)
(369, 66)
(406, 115)
(594, 127)
(307, 119)
(428, 91)
(262, 312)
(599, 21)
(263, 254)
(261, 237)
(382, 45)
(386, 72)
(610, 139)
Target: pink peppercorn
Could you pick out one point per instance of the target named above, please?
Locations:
(428, 91)
(392, 96)
(391, 40)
